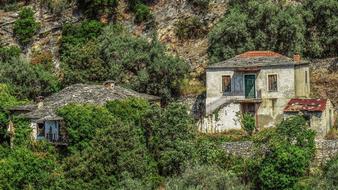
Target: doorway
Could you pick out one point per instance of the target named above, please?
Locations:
(250, 86)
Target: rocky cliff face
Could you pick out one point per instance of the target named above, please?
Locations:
(49, 35)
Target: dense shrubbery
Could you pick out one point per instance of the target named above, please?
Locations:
(25, 27)
(289, 150)
(97, 8)
(21, 168)
(116, 55)
(27, 80)
(206, 177)
(7, 53)
(128, 138)
(307, 28)
(191, 27)
(7, 100)
(142, 13)
(203, 4)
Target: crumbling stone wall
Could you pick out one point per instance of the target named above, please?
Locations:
(325, 150)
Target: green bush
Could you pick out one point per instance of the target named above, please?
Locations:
(7, 100)
(38, 170)
(116, 55)
(82, 121)
(307, 28)
(25, 27)
(142, 13)
(287, 155)
(116, 150)
(205, 177)
(248, 123)
(29, 81)
(191, 27)
(97, 8)
(7, 53)
(202, 4)
(75, 35)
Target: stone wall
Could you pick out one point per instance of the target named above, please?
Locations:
(325, 150)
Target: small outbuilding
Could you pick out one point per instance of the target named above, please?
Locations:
(47, 125)
(320, 113)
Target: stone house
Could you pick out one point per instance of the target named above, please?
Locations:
(258, 82)
(45, 122)
(318, 112)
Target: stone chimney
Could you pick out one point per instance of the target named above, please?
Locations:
(39, 101)
(109, 84)
(296, 58)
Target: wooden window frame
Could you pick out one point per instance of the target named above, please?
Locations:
(229, 88)
(268, 83)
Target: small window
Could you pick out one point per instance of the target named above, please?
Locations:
(272, 83)
(226, 83)
(41, 130)
(306, 77)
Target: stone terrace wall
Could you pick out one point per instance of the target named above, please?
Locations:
(325, 150)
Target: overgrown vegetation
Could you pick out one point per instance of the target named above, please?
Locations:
(191, 27)
(202, 4)
(28, 80)
(289, 150)
(117, 55)
(308, 28)
(248, 123)
(25, 27)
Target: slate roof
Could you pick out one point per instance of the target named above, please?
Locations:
(312, 105)
(79, 93)
(256, 59)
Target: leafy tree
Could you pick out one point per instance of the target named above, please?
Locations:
(230, 36)
(25, 27)
(206, 177)
(7, 100)
(322, 20)
(287, 157)
(20, 168)
(83, 64)
(141, 65)
(78, 34)
(82, 121)
(116, 150)
(29, 81)
(170, 138)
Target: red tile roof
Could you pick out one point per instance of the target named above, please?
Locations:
(314, 105)
(249, 54)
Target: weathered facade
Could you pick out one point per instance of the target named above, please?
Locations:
(318, 112)
(259, 82)
(45, 122)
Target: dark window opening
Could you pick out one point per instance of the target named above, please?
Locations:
(306, 77)
(272, 83)
(41, 130)
(226, 83)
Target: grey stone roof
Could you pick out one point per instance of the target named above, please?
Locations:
(80, 93)
(256, 59)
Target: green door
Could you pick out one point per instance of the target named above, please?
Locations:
(249, 86)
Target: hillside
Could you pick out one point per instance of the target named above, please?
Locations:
(166, 15)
